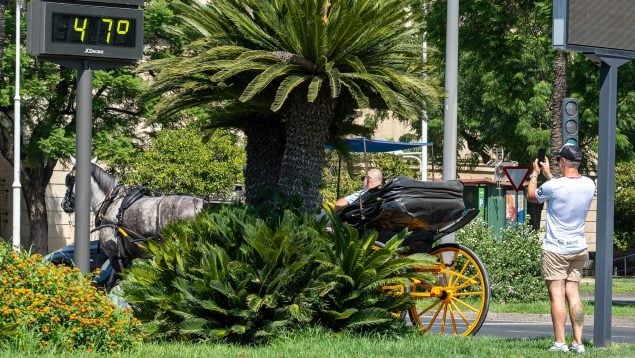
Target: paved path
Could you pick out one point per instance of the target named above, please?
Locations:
(524, 327)
(546, 318)
(539, 325)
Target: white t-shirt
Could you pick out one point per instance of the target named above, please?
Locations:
(568, 202)
(354, 196)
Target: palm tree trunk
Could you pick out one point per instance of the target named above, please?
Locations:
(34, 182)
(265, 147)
(301, 171)
(559, 92)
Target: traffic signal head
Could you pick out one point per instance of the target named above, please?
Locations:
(570, 121)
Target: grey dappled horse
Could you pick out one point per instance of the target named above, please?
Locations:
(127, 215)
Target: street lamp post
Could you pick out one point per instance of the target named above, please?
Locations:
(17, 188)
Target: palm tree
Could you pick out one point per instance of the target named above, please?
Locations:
(291, 70)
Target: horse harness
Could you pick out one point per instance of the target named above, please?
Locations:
(125, 236)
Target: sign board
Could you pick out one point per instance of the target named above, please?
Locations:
(604, 28)
(102, 31)
(516, 176)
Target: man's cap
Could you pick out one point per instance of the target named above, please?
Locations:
(570, 152)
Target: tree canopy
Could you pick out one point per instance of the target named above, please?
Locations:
(299, 68)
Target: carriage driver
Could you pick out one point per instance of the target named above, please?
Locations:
(371, 180)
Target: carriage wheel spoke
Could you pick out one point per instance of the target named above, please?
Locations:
(454, 328)
(425, 310)
(434, 317)
(445, 314)
(458, 310)
(467, 305)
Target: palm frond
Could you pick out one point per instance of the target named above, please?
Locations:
(285, 88)
(314, 88)
(265, 78)
(335, 82)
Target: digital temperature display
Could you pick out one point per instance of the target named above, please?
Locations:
(93, 30)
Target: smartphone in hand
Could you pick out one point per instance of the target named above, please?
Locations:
(541, 155)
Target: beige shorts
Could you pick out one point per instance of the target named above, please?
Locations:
(563, 267)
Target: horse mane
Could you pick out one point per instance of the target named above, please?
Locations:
(104, 180)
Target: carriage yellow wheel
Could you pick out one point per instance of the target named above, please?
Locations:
(456, 302)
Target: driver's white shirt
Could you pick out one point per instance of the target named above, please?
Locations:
(354, 196)
(568, 202)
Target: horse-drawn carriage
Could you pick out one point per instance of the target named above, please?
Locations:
(454, 302)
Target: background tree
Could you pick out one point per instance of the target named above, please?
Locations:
(3, 8)
(511, 82)
(179, 161)
(289, 71)
(48, 122)
(505, 74)
(624, 237)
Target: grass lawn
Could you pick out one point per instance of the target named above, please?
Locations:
(620, 286)
(543, 307)
(319, 343)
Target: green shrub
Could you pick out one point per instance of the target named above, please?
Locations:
(56, 307)
(624, 237)
(233, 275)
(512, 260)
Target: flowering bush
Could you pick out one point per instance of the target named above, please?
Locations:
(57, 307)
(512, 260)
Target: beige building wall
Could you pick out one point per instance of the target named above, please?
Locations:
(61, 225)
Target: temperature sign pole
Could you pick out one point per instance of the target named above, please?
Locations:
(87, 35)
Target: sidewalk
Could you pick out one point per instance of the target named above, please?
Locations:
(588, 320)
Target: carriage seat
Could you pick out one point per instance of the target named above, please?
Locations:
(407, 203)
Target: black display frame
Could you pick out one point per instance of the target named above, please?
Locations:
(40, 27)
(603, 45)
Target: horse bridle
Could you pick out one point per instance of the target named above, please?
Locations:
(68, 203)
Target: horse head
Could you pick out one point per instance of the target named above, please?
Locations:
(68, 203)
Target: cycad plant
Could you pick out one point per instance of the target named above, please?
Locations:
(291, 70)
(233, 275)
(369, 280)
(226, 275)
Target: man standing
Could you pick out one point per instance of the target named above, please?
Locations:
(564, 249)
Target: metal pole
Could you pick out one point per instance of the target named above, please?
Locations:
(606, 190)
(82, 185)
(423, 163)
(17, 136)
(424, 115)
(451, 94)
(451, 90)
(516, 203)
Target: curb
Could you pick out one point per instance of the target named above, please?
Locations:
(546, 318)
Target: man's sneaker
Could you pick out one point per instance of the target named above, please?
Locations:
(559, 347)
(578, 348)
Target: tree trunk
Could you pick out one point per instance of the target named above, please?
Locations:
(265, 147)
(559, 92)
(34, 182)
(306, 129)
